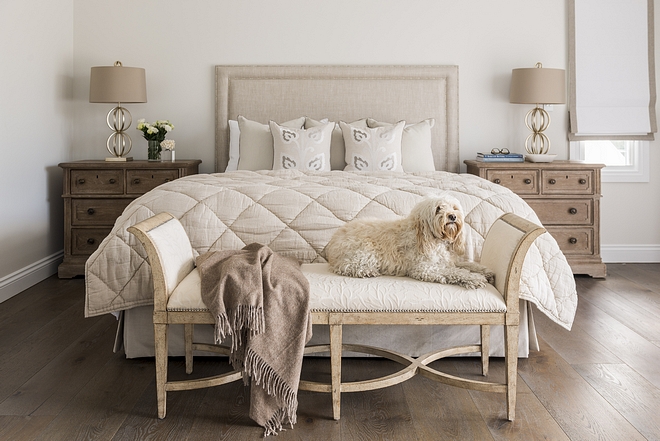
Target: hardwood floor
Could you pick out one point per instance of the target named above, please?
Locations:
(59, 380)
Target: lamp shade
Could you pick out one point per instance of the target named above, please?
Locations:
(538, 85)
(117, 84)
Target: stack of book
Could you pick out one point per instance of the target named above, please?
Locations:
(490, 157)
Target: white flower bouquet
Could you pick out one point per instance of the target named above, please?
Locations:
(155, 131)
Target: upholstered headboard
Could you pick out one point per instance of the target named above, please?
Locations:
(341, 93)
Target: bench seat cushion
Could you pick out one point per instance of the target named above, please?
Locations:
(330, 292)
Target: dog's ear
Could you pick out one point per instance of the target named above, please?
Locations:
(458, 245)
(424, 234)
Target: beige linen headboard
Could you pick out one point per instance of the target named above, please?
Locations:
(341, 93)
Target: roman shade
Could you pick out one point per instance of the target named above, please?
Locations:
(612, 70)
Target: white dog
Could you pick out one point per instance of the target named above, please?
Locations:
(426, 246)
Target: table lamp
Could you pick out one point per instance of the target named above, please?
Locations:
(537, 85)
(118, 84)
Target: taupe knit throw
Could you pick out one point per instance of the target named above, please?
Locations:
(261, 300)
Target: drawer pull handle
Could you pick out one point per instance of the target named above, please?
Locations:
(497, 181)
(552, 181)
(528, 181)
(91, 241)
(582, 181)
(81, 181)
(90, 211)
(113, 181)
(573, 210)
(572, 240)
(136, 181)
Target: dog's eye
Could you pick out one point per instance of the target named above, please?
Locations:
(438, 210)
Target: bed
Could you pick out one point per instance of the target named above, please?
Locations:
(295, 212)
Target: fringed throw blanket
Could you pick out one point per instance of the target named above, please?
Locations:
(261, 299)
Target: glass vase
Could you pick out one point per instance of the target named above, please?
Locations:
(153, 154)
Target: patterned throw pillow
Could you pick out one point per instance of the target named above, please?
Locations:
(373, 149)
(302, 149)
(416, 151)
(256, 143)
(337, 146)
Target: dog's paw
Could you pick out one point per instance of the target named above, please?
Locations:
(472, 281)
(490, 277)
(353, 270)
(474, 284)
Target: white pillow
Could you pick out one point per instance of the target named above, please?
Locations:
(372, 149)
(234, 136)
(416, 149)
(255, 143)
(302, 149)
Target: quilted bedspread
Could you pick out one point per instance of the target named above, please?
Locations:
(295, 213)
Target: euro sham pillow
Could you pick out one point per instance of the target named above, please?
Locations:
(256, 143)
(416, 150)
(373, 149)
(301, 149)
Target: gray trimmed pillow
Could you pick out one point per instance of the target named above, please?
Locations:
(373, 149)
(301, 149)
(256, 143)
(416, 149)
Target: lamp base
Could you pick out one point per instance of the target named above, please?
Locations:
(119, 159)
(119, 143)
(537, 120)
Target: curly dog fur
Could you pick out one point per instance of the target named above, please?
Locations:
(426, 246)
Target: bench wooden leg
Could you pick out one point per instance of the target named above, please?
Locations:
(160, 349)
(335, 368)
(188, 340)
(511, 359)
(485, 348)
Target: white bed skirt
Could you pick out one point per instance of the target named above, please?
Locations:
(136, 334)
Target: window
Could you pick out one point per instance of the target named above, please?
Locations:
(625, 161)
(612, 94)
(612, 76)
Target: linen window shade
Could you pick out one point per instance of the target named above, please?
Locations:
(612, 70)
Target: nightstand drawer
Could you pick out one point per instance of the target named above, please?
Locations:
(97, 182)
(97, 211)
(567, 182)
(563, 211)
(574, 240)
(84, 241)
(141, 181)
(519, 181)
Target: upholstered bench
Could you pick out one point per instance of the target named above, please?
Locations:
(337, 300)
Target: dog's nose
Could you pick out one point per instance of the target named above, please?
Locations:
(452, 217)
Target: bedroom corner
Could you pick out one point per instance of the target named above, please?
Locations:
(36, 119)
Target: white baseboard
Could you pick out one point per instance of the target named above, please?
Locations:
(30, 275)
(630, 253)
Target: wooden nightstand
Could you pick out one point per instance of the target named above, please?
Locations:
(566, 197)
(95, 194)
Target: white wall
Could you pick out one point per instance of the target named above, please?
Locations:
(180, 42)
(36, 88)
